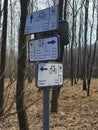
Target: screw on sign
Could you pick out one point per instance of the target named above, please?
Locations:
(60, 67)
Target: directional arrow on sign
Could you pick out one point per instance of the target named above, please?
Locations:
(42, 68)
(52, 42)
(31, 17)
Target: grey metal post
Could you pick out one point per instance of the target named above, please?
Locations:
(46, 110)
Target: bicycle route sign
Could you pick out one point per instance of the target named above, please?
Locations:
(44, 49)
(49, 74)
(41, 21)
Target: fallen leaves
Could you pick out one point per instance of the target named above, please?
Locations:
(76, 110)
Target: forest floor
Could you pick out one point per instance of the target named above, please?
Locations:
(76, 111)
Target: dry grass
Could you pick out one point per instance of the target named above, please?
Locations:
(76, 110)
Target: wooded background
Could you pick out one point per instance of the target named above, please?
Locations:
(79, 58)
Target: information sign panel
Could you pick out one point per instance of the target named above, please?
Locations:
(44, 49)
(41, 21)
(49, 74)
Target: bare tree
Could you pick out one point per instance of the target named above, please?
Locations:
(65, 60)
(55, 91)
(3, 55)
(79, 59)
(65, 9)
(0, 12)
(72, 42)
(22, 57)
(85, 45)
(75, 44)
(91, 57)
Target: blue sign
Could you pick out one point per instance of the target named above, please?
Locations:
(42, 20)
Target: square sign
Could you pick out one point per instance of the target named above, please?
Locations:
(49, 74)
(44, 49)
(41, 21)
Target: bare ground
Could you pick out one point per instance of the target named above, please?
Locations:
(76, 110)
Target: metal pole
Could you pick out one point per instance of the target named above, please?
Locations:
(46, 110)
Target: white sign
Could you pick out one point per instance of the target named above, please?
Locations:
(44, 49)
(43, 20)
(49, 74)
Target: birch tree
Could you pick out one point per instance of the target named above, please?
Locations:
(91, 55)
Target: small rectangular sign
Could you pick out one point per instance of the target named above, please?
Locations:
(44, 49)
(41, 21)
(49, 74)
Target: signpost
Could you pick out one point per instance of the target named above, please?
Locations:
(41, 21)
(48, 74)
(44, 49)
(46, 110)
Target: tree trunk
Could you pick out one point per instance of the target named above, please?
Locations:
(72, 42)
(54, 103)
(91, 67)
(56, 90)
(22, 57)
(85, 45)
(3, 55)
(0, 13)
(79, 49)
(65, 8)
(90, 58)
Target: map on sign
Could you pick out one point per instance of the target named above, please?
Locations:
(44, 49)
(49, 74)
(43, 20)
